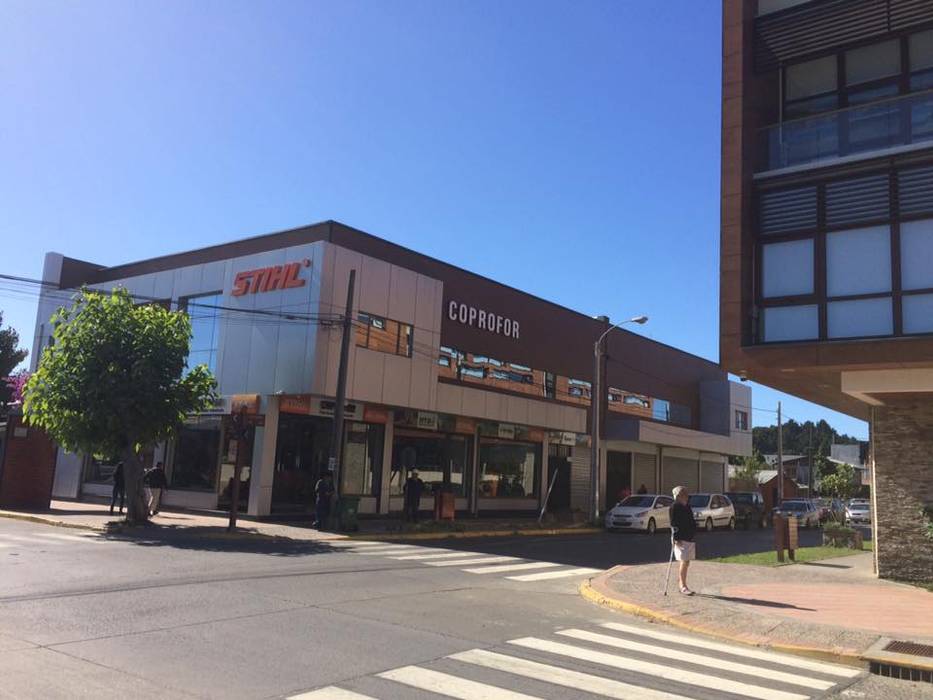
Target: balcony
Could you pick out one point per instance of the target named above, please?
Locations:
(887, 126)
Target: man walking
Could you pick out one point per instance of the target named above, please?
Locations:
(683, 528)
(155, 482)
(323, 492)
(119, 488)
(413, 488)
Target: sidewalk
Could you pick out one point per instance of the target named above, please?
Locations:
(834, 609)
(96, 516)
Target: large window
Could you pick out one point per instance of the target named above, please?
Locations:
(384, 335)
(204, 313)
(509, 469)
(442, 462)
(854, 260)
(197, 454)
(362, 459)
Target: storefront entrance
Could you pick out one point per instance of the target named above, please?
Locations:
(618, 477)
(559, 474)
(442, 461)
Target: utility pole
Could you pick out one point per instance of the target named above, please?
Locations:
(335, 462)
(780, 447)
(238, 423)
(595, 393)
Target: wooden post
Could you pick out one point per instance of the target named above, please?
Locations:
(780, 536)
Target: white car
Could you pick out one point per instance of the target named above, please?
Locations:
(647, 512)
(858, 512)
(712, 510)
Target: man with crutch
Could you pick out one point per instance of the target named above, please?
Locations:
(683, 528)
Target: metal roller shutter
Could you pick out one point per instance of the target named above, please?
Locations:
(711, 474)
(678, 471)
(643, 472)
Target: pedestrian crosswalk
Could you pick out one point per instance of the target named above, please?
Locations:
(614, 660)
(512, 568)
(47, 539)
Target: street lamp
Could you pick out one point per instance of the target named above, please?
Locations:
(596, 396)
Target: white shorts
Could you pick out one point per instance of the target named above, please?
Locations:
(685, 551)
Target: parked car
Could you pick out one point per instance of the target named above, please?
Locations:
(749, 508)
(647, 512)
(712, 510)
(806, 513)
(831, 509)
(858, 512)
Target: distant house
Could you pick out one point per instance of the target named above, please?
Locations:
(855, 455)
(796, 467)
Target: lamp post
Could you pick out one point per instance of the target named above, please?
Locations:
(596, 400)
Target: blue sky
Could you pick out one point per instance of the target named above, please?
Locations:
(570, 149)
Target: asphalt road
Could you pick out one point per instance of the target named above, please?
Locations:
(169, 615)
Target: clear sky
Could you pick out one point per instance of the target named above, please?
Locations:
(570, 149)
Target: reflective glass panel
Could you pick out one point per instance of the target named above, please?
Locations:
(811, 78)
(860, 318)
(917, 254)
(791, 323)
(918, 313)
(858, 261)
(788, 268)
(873, 62)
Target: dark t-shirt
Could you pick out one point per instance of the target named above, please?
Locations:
(682, 522)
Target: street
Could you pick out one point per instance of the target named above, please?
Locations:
(177, 615)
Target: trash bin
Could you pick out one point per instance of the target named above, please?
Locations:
(347, 509)
(445, 505)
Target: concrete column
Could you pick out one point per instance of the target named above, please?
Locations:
(263, 467)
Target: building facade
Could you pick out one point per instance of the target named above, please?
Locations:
(483, 389)
(827, 230)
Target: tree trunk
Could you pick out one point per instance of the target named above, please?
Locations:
(137, 505)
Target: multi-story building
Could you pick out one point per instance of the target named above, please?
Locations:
(827, 229)
(482, 388)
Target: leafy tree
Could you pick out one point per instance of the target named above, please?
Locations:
(10, 356)
(840, 484)
(797, 438)
(113, 382)
(749, 467)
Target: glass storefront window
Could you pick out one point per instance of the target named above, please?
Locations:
(362, 459)
(509, 469)
(440, 460)
(197, 453)
(99, 470)
(205, 330)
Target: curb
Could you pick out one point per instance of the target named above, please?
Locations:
(400, 537)
(590, 590)
(49, 521)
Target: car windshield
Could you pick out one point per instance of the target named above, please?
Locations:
(793, 505)
(740, 497)
(858, 506)
(698, 501)
(638, 502)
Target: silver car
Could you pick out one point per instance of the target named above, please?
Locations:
(804, 510)
(712, 510)
(858, 512)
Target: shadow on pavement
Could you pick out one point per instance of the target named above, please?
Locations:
(214, 539)
(755, 601)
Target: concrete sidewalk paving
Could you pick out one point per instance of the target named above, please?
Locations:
(96, 516)
(834, 609)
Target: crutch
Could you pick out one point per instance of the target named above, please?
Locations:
(671, 563)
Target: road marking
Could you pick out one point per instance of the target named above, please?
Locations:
(354, 543)
(691, 658)
(545, 575)
(27, 540)
(708, 645)
(511, 567)
(441, 555)
(628, 663)
(386, 552)
(606, 687)
(451, 686)
(470, 562)
(331, 692)
(71, 538)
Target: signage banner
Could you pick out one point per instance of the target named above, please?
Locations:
(506, 431)
(563, 438)
(483, 319)
(295, 403)
(249, 403)
(267, 279)
(427, 420)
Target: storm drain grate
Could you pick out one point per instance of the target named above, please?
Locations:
(901, 672)
(910, 648)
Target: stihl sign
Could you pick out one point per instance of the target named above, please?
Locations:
(267, 279)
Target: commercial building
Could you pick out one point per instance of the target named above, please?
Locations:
(827, 230)
(482, 388)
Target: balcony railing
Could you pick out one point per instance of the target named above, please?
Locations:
(855, 131)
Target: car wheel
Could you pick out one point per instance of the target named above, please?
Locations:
(652, 526)
(732, 524)
(709, 525)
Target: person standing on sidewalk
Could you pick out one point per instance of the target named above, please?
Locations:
(683, 529)
(156, 482)
(413, 489)
(119, 488)
(323, 492)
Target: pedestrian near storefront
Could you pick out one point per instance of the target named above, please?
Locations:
(683, 527)
(413, 489)
(323, 493)
(119, 488)
(155, 484)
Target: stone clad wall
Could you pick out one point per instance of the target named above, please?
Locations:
(902, 435)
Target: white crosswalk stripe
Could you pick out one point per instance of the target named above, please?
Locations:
(71, 538)
(470, 562)
(444, 554)
(655, 672)
(511, 567)
(665, 671)
(451, 686)
(47, 539)
(386, 552)
(691, 658)
(331, 692)
(709, 645)
(562, 676)
(548, 575)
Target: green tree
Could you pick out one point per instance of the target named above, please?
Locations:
(113, 382)
(10, 356)
(840, 484)
(749, 467)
